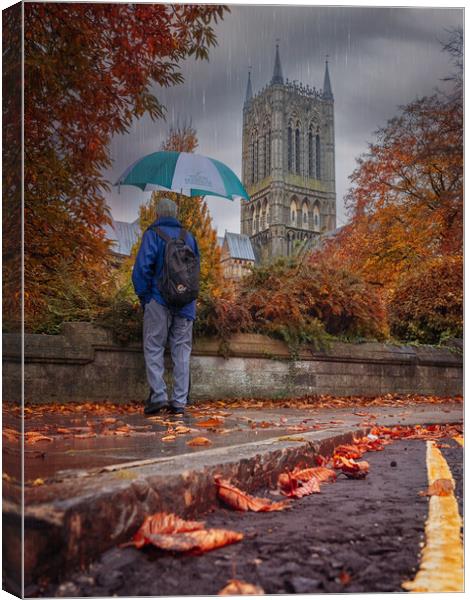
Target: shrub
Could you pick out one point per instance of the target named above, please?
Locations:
(427, 304)
(123, 316)
(308, 302)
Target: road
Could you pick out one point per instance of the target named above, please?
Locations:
(355, 536)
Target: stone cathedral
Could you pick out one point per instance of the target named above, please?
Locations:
(288, 165)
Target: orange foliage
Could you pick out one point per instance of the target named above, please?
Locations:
(406, 215)
(88, 72)
(427, 303)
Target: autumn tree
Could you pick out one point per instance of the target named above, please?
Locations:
(192, 212)
(406, 199)
(89, 69)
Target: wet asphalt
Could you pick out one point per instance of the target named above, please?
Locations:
(355, 536)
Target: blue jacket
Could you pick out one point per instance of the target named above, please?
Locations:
(149, 264)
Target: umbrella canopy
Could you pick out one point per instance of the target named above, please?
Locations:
(186, 173)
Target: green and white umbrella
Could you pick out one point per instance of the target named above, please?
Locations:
(186, 173)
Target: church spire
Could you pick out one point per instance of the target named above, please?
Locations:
(327, 93)
(277, 73)
(249, 90)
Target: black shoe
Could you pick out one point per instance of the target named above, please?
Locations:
(153, 409)
(177, 411)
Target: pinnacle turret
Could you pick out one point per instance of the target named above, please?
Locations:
(327, 93)
(277, 73)
(249, 90)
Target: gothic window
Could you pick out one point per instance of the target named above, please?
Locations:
(289, 149)
(267, 153)
(253, 219)
(254, 157)
(317, 157)
(305, 215)
(297, 150)
(311, 172)
(293, 213)
(316, 217)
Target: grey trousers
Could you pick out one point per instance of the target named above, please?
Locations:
(160, 327)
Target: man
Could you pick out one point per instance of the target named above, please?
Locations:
(162, 321)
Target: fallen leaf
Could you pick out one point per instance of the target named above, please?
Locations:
(168, 438)
(213, 422)
(195, 541)
(181, 429)
(353, 469)
(348, 451)
(38, 481)
(344, 578)
(299, 489)
(236, 587)
(262, 424)
(162, 523)
(439, 487)
(235, 498)
(84, 436)
(291, 438)
(33, 437)
(199, 441)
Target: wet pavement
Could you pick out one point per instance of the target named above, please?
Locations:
(81, 442)
(356, 536)
(93, 472)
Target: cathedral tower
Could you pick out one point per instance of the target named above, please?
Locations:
(288, 164)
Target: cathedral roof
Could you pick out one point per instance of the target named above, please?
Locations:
(239, 246)
(123, 235)
(277, 73)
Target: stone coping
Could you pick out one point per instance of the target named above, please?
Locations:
(78, 343)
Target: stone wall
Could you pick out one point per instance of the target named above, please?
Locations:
(83, 363)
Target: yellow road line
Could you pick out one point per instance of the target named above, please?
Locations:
(459, 439)
(441, 568)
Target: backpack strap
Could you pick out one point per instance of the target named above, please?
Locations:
(167, 238)
(161, 234)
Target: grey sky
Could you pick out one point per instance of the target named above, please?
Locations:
(380, 58)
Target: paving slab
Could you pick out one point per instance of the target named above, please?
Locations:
(96, 491)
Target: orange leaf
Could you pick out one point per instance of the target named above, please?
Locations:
(195, 541)
(162, 523)
(168, 438)
(199, 441)
(312, 486)
(348, 450)
(353, 469)
(344, 577)
(32, 437)
(239, 500)
(321, 473)
(439, 487)
(235, 587)
(212, 422)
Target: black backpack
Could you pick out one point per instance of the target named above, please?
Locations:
(179, 281)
